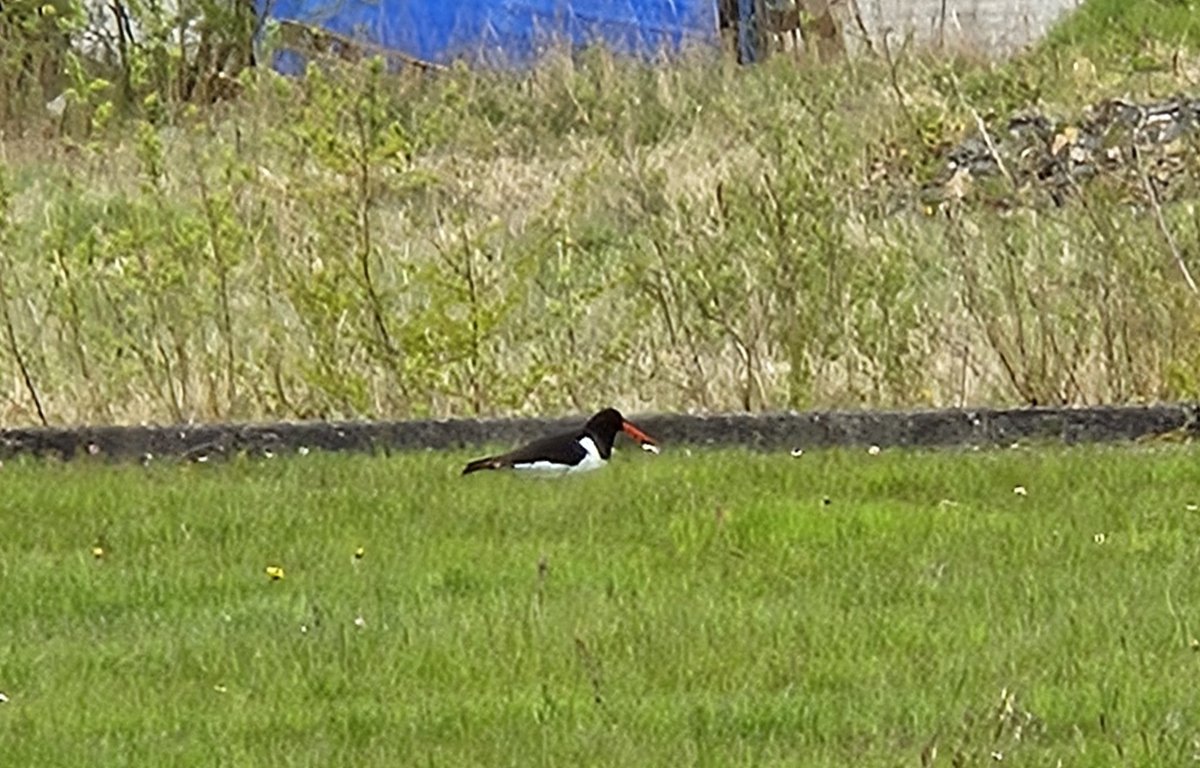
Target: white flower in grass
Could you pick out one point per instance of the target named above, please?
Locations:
(302, 450)
(797, 453)
(1020, 490)
(3, 698)
(873, 450)
(1100, 538)
(1192, 507)
(360, 622)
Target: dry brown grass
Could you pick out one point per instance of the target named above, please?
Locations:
(698, 236)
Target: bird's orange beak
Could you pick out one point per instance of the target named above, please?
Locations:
(647, 442)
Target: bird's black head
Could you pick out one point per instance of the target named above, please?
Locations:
(607, 423)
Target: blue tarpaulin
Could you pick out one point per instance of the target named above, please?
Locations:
(506, 31)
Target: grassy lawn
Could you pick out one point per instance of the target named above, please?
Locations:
(702, 609)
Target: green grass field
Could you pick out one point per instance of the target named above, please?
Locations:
(702, 609)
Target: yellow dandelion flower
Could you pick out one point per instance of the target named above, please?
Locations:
(274, 572)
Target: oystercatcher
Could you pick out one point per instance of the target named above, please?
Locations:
(578, 451)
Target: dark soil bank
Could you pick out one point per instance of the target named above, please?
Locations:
(766, 431)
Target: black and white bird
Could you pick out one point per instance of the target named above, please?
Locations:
(578, 451)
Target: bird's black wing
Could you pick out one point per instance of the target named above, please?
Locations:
(559, 449)
(563, 448)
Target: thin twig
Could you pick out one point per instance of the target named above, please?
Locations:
(893, 67)
(1162, 224)
(972, 303)
(15, 349)
(942, 27)
(218, 251)
(991, 145)
(856, 12)
(364, 202)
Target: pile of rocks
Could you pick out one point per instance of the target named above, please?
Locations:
(1142, 144)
